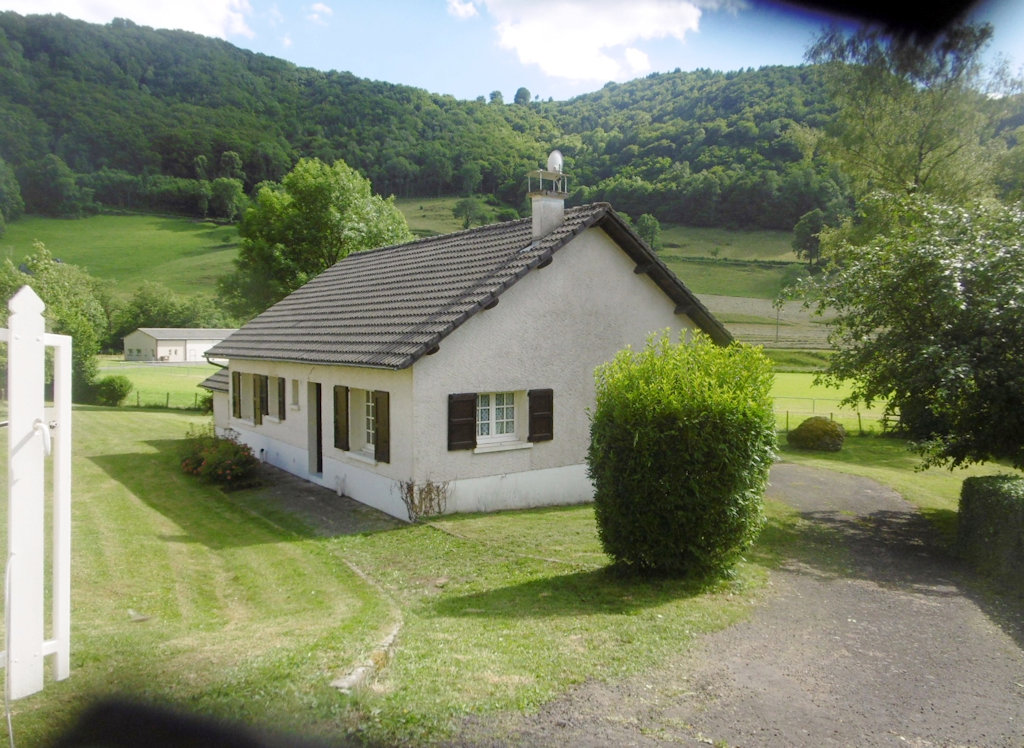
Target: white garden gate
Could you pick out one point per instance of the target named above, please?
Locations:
(29, 442)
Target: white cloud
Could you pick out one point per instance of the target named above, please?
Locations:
(220, 18)
(462, 8)
(286, 41)
(591, 40)
(319, 12)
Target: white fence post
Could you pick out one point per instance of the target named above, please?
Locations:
(29, 440)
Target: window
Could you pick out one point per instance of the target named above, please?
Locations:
(495, 416)
(295, 393)
(369, 420)
(366, 425)
(490, 418)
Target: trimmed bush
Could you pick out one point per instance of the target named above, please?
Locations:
(219, 459)
(112, 390)
(681, 440)
(817, 433)
(990, 532)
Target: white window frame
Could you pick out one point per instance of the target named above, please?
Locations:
(369, 421)
(487, 422)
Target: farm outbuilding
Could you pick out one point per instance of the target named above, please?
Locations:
(172, 343)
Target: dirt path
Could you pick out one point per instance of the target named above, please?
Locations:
(887, 645)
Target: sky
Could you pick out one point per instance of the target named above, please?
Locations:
(469, 48)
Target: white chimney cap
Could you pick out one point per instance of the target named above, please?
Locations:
(555, 161)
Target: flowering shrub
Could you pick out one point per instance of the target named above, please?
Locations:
(218, 459)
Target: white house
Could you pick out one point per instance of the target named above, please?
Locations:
(172, 343)
(455, 371)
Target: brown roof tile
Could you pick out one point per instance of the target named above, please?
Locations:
(388, 307)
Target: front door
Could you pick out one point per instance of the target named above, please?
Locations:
(315, 427)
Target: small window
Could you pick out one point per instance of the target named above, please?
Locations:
(295, 393)
(370, 420)
(495, 416)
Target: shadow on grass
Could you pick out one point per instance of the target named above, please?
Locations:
(595, 592)
(271, 513)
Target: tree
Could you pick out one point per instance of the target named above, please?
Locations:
(912, 114)
(806, 244)
(649, 229)
(11, 204)
(522, 96)
(154, 305)
(73, 307)
(49, 187)
(929, 318)
(471, 210)
(295, 230)
(227, 198)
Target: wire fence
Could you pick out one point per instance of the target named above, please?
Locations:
(790, 412)
(171, 400)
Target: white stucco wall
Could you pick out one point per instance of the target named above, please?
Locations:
(142, 342)
(550, 330)
(287, 443)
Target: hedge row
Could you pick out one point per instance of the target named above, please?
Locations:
(991, 527)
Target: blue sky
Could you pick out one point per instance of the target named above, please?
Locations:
(469, 48)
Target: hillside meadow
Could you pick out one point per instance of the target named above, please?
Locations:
(188, 255)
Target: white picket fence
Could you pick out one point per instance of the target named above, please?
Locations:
(32, 436)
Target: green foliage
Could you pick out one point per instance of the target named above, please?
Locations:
(11, 204)
(806, 244)
(682, 438)
(912, 114)
(471, 210)
(218, 459)
(928, 319)
(649, 229)
(990, 532)
(112, 390)
(153, 305)
(227, 198)
(295, 230)
(73, 307)
(48, 187)
(818, 434)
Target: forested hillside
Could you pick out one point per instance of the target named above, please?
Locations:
(127, 116)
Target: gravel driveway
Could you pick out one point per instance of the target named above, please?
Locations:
(888, 646)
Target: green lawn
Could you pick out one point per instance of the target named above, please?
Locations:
(184, 255)
(689, 241)
(184, 595)
(219, 604)
(157, 384)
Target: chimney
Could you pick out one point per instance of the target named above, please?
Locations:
(547, 196)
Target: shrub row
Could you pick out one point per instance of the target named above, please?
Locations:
(991, 527)
(219, 459)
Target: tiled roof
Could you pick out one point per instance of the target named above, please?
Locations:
(187, 333)
(388, 307)
(219, 381)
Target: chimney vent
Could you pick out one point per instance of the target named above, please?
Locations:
(547, 190)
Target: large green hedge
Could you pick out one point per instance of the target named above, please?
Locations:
(682, 438)
(990, 531)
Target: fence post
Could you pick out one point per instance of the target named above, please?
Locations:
(29, 440)
(25, 515)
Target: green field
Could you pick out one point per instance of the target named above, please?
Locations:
(687, 241)
(159, 385)
(186, 256)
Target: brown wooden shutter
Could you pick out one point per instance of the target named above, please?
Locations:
(462, 421)
(236, 394)
(542, 415)
(341, 417)
(264, 387)
(257, 405)
(382, 417)
(281, 410)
